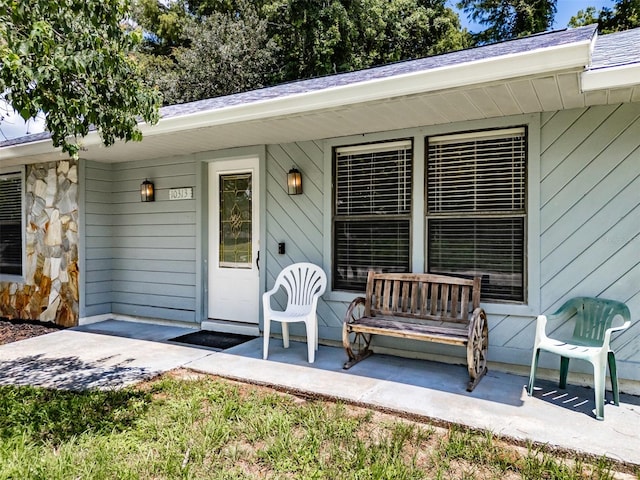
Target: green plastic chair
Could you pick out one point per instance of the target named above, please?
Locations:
(590, 341)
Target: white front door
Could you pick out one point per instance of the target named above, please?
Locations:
(234, 243)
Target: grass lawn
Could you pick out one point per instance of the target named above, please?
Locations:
(185, 425)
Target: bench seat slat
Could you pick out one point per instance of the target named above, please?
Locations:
(418, 331)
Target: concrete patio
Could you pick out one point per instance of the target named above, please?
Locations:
(112, 354)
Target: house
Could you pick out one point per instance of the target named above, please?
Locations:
(518, 161)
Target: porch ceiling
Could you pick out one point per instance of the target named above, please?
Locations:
(549, 92)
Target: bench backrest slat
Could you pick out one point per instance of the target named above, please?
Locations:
(422, 296)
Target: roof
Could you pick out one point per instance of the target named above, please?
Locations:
(511, 47)
(503, 49)
(616, 49)
(577, 61)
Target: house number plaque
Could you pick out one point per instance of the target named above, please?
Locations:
(185, 193)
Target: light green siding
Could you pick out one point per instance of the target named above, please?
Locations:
(146, 259)
(140, 257)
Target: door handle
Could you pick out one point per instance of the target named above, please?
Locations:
(258, 260)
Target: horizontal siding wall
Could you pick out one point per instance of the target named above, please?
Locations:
(141, 257)
(97, 239)
(590, 215)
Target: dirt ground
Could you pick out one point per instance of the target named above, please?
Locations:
(14, 330)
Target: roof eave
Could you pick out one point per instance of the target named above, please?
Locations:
(534, 62)
(619, 76)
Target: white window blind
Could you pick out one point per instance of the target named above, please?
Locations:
(11, 224)
(483, 174)
(372, 211)
(476, 198)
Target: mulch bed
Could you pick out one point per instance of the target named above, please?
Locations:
(14, 330)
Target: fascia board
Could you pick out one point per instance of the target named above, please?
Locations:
(535, 62)
(43, 150)
(505, 67)
(611, 77)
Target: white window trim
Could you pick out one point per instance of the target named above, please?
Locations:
(4, 277)
(531, 307)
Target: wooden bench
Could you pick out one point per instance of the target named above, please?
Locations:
(419, 306)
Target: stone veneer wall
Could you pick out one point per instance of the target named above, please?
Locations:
(50, 289)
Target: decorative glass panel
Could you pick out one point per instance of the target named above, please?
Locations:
(235, 221)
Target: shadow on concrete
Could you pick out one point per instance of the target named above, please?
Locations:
(70, 373)
(494, 386)
(576, 398)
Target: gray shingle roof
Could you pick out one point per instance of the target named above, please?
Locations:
(521, 45)
(616, 49)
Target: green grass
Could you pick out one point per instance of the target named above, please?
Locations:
(212, 428)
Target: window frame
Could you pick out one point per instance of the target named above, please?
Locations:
(18, 172)
(336, 217)
(480, 214)
(532, 305)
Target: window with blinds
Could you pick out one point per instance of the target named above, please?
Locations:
(11, 224)
(372, 211)
(476, 209)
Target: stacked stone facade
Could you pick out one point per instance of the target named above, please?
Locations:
(49, 292)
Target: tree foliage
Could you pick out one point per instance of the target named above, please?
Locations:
(226, 53)
(290, 40)
(71, 60)
(624, 16)
(195, 51)
(318, 38)
(507, 19)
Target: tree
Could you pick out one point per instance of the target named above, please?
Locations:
(302, 39)
(507, 19)
(193, 51)
(71, 60)
(324, 37)
(226, 53)
(624, 16)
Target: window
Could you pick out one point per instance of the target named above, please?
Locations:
(476, 209)
(11, 224)
(372, 211)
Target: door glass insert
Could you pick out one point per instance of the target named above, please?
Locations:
(235, 220)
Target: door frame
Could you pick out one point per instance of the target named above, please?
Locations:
(202, 239)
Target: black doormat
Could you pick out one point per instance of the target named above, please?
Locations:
(217, 340)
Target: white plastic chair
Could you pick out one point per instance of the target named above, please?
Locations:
(304, 284)
(590, 342)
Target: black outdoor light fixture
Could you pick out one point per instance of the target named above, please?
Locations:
(294, 182)
(146, 191)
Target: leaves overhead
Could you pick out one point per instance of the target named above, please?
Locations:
(72, 60)
(236, 45)
(220, 54)
(507, 19)
(624, 16)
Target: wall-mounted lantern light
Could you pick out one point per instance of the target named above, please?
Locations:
(294, 182)
(146, 191)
